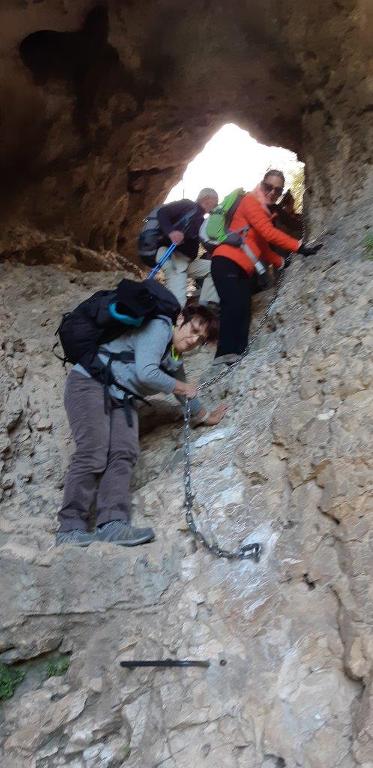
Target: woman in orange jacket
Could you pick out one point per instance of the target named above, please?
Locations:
(233, 271)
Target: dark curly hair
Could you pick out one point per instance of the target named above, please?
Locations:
(206, 314)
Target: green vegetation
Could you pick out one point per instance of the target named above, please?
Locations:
(297, 187)
(124, 752)
(58, 666)
(368, 246)
(10, 677)
(51, 666)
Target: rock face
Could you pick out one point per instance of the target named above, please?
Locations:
(290, 466)
(103, 105)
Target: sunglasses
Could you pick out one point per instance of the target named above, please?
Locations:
(272, 188)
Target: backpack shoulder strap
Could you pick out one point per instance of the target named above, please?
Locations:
(109, 379)
(128, 356)
(185, 220)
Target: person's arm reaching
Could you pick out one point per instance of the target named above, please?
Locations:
(256, 216)
(150, 347)
(180, 378)
(167, 216)
(198, 412)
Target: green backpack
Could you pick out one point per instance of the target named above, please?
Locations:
(215, 229)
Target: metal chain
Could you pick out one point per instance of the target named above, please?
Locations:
(252, 551)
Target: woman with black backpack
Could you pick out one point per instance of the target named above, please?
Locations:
(104, 422)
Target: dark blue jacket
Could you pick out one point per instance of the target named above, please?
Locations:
(175, 216)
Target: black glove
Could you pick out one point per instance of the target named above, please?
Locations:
(309, 250)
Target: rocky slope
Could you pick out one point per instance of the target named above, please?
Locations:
(102, 106)
(291, 465)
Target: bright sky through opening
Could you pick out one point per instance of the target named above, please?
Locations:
(231, 159)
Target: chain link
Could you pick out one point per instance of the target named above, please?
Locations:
(248, 551)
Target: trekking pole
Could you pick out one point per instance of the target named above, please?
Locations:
(162, 261)
(168, 254)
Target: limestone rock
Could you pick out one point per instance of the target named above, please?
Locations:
(290, 466)
(111, 103)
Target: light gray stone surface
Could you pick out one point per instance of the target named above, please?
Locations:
(291, 465)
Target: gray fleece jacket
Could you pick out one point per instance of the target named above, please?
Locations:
(154, 368)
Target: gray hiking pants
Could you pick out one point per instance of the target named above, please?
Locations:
(107, 449)
(177, 270)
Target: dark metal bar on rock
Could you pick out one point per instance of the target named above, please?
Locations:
(164, 663)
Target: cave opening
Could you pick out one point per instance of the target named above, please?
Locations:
(227, 159)
(232, 158)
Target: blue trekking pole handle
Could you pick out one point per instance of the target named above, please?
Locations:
(162, 261)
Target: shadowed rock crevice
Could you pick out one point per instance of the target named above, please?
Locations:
(85, 60)
(112, 101)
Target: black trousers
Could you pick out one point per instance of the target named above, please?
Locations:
(235, 288)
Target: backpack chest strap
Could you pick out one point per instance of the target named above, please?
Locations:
(122, 357)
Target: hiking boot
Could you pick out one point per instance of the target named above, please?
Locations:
(120, 532)
(227, 359)
(76, 537)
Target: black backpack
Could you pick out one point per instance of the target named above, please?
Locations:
(151, 236)
(104, 316)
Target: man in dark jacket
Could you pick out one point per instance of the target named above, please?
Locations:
(180, 222)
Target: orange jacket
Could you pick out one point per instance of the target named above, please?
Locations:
(261, 233)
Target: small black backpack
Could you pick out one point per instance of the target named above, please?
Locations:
(105, 315)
